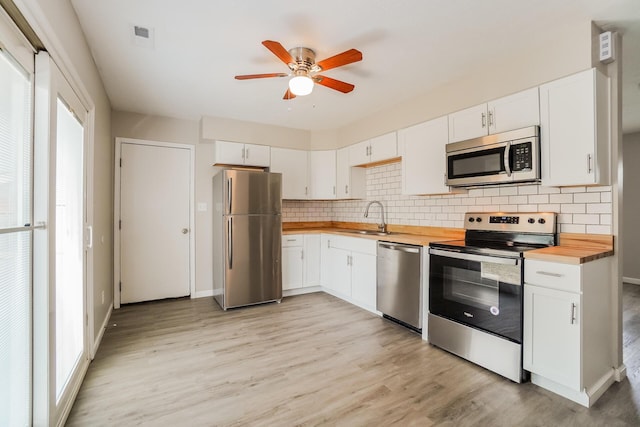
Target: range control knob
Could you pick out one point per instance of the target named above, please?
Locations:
(471, 219)
(531, 220)
(478, 219)
(541, 221)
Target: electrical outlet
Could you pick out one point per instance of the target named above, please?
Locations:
(102, 297)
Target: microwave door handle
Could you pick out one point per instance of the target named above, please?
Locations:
(507, 152)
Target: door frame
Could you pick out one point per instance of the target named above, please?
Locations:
(116, 211)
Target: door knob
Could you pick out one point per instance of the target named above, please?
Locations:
(185, 230)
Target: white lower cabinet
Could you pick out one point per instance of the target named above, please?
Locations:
(349, 269)
(567, 328)
(300, 261)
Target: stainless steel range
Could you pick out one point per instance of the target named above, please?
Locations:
(475, 288)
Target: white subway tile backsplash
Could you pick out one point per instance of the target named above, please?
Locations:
(561, 198)
(580, 209)
(586, 197)
(528, 189)
(599, 208)
(599, 229)
(573, 208)
(539, 198)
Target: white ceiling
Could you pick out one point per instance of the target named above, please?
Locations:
(200, 45)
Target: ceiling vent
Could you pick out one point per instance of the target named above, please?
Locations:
(142, 36)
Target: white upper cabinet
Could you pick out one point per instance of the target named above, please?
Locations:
(423, 157)
(510, 112)
(235, 153)
(515, 111)
(350, 181)
(292, 164)
(468, 123)
(322, 174)
(574, 113)
(380, 148)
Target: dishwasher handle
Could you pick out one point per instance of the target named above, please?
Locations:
(397, 247)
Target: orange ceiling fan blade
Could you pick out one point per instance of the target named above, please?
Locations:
(260, 76)
(334, 84)
(344, 58)
(288, 95)
(278, 50)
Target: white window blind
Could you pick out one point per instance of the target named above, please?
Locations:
(15, 243)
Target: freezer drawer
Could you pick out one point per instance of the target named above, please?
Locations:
(252, 256)
(398, 282)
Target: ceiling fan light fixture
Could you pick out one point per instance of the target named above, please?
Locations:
(301, 85)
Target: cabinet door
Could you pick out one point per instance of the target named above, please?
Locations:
(423, 157)
(257, 155)
(568, 131)
(383, 147)
(292, 268)
(363, 279)
(515, 111)
(359, 153)
(311, 260)
(325, 264)
(322, 174)
(468, 123)
(340, 272)
(292, 164)
(350, 181)
(228, 153)
(551, 346)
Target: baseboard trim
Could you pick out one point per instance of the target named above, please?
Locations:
(98, 339)
(586, 397)
(631, 280)
(202, 294)
(620, 373)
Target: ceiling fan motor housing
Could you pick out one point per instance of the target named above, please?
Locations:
(305, 61)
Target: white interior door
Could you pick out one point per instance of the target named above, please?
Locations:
(155, 222)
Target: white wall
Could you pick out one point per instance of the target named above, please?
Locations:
(56, 24)
(213, 128)
(631, 207)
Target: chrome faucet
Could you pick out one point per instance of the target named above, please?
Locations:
(382, 227)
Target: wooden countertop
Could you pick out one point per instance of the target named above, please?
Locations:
(575, 249)
(572, 248)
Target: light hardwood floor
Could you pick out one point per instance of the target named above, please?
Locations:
(314, 360)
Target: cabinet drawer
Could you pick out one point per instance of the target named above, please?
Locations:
(291, 240)
(354, 244)
(553, 275)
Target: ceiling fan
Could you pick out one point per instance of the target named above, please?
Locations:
(304, 69)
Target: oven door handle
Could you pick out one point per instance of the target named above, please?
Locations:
(474, 257)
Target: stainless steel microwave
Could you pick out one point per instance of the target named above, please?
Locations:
(506, 157)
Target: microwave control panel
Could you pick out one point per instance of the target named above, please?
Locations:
(522, 156)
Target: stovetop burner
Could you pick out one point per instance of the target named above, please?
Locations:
(504, 234)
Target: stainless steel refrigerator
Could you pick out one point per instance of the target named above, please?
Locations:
(247, 234)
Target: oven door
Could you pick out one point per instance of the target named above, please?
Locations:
(483, 292)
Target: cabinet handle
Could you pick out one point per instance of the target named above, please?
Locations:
(546, 273)
(306, 191)
(484, 120)
(302, 254)
(247, 151)
(334, 190)
(573, 313)
(243, 154)
(371, 150)
(444, 178)
(328, 244)
(291, 240)
(490, 118)
(368, 150)
(589, 167)
(346, 189)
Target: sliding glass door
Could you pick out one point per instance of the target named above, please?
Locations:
(15, 241)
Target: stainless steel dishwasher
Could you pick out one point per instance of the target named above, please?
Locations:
(398, 281)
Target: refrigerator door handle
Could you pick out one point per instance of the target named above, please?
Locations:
(230, 242)
(229, 191)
